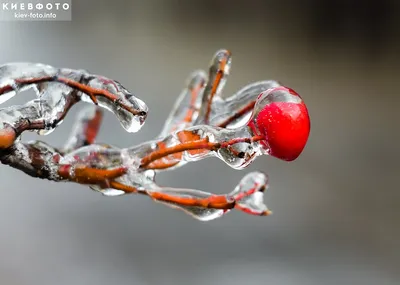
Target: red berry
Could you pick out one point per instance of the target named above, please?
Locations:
(282, 118)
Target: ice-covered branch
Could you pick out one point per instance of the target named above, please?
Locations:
(263, 118)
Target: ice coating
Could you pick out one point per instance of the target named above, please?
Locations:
(260, 118)
(85, 130)
(187, 106)
(192, 144)
(191, 106)
(236, 147)
(130, 110)
(217, 76)
(57, 90)
(241, 103)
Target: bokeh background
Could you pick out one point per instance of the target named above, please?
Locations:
(336, 208)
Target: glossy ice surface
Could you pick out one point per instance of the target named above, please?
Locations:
(261, 118)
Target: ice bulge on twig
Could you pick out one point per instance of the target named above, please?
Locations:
(262, 118)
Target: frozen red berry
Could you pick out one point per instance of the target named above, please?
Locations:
(282, 118)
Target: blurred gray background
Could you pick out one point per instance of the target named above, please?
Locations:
(336, 208)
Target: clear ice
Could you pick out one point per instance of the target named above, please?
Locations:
(58, 89)
(202, 124)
